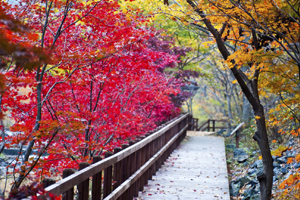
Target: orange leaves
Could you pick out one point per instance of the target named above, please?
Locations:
(173, 18)
(290, 186)
(290, 160)
(297, 158)
(292, 132)
(33, 36)
(295, 132)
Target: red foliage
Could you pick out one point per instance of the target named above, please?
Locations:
(31, 191)
(102, 87)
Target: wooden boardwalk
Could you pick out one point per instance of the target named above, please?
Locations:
(195, 170)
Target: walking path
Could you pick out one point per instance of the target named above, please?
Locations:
(195, 170)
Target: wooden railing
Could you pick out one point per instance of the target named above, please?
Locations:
(209, 125)
(237, 134)
(127, 170)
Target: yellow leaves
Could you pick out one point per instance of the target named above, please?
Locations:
(234, 81)
(257, 117)
(128, 17)
(190, 12)
(279, 151)
(259, 157)
(173, 18)
(273, 122)
(262, 93)
(277, 108)
(184, 20)
(89, 2)
(56, 10)
(186, 23)
(173, 6)
(207, 44)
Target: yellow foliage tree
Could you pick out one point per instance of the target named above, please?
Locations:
(259, 40)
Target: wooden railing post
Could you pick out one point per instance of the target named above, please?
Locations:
(83, 187)
(151, 153)
(186, 122)
(214, 125)
(165, 138)
(96, 182)
(125, 165)
(208, 126)
(237, 139)
(194, 124)
(189, 122)
(163, 142)
(148, 156)
(69, 195)
(237, 136)
(158, 163)
(143, 160)
(107, 178)
(125, 172)
(154, 148)
(192, 128)
(132, 170)
(138, 165)
(47, 182)
(117, 170)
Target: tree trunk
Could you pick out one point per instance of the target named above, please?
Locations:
(261, 137)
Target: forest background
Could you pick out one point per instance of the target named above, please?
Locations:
(79, 78)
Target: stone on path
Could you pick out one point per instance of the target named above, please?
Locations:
(195, 170)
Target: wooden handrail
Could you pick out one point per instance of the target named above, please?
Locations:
(200, 128)
(219, 120)
(164, 136)
(206, 125)
(125, 185)
(236, 132)
(237, 128)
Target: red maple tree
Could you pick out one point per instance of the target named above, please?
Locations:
(102, 87)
